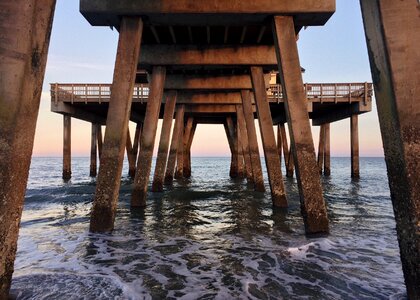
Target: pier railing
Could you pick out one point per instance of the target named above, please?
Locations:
(315, 92)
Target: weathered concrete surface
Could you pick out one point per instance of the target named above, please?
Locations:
(131, 159)
(240, 153)
(252, 140)
(187, 155)
(392, 34)
(109, 176)
(162, 156)
(99, 135)
(233, 145)
(93, 150)
(272, 160)
(66, 147)
(321, 148)
(144, 164)
(312, 202)
(25, 28)
(327, 153)
(354, 141)
(178, 127)
(179, 170)
(288, 157)
(245, 144)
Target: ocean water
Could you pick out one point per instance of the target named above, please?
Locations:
(209, 237)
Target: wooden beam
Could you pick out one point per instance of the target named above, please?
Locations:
(253, 142)
(272, 160)
(109, 176)
(340, 113)
(162, 156)
(144, 163)
(390, 28)
(211, 55)
(179, 124)
(312, 202)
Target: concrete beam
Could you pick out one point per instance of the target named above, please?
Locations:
(211, 55)
(392, 29)
(341, 113)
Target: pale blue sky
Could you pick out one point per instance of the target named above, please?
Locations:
(79, 52)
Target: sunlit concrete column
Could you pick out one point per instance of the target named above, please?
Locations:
(25, 28)
(354, 141)
(252, 140)
(312, 202)
(392, 32)
(272, 160)
(110, 169)
(144, 163)
(66, 147)
(187, 156)
(187, 134)
(178, 127)
(245, 143)
(93, 150)
(321, 148)
(327, 154)
(162, 156)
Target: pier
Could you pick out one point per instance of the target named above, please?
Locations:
(200, 61)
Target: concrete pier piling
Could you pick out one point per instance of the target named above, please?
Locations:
(287, 153)
(144, 164)
(245, 144)
(25, 27)
(176, 135)
(93, 150)
(109, 176)
(354, 141)
(392, 29)
(327, 150)
(187, 152)
(160, 168)
(321, 148)
(230, 129)
(66, 147)
(272, 159)
(130, 157)
(186, 164)
(100, 140)
(179, 169)
(313, 206)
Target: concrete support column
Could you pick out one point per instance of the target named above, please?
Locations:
(354, 128)
(288, 157)
(240, 153)
(136, 142)
(245, 143)
(186, 156)
(162, 157)
(233, 145)
(312, 202)
(392, 29)
(272, 160)
(110, 169)
(25, 27)
(187, 153)
(321, 148)
(253, 142)
(93, 150)
(179, 170)
(131, 159)
(99, 136)
(144, 164)
(66, 147)
(327, 154)
(178, 127)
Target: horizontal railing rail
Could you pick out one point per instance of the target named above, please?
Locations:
(319, 92)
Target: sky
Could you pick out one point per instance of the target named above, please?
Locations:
(81, 53)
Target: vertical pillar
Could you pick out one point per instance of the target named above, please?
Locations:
(240, 154)
(99, 136)
(253, 142)
(162, 157)
(321, 148)
(187, 156)
(66, 147)
(354, 128)
(178, 127)
(288, 157)
(131, 159)
(392, 29)
(245, 143)
(144, 164)
(110, 169)
(312, 202)
(25, 28)
(136, 142)
(93, 150)
(327, 155)
(233, 145)
(272, 160)
(179, 171)
(279, 143)
(187, 134)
